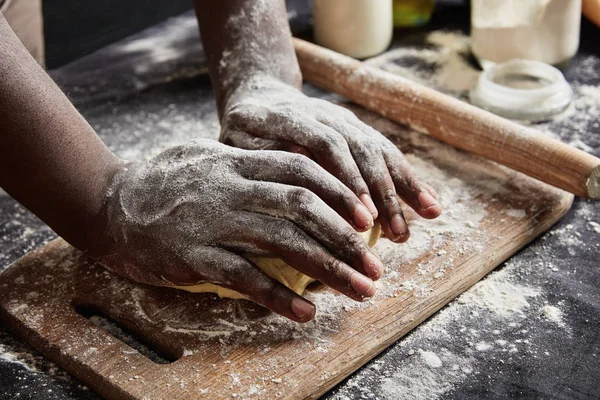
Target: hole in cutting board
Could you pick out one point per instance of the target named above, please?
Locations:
(113, 328)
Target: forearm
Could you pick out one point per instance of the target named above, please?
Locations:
(51, 160)
(244, 40)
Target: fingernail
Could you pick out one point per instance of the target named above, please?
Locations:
(303, 309)
(426, 200)
(368, 202)
(362, 285)
(398, 226)
(363, 217)
(374, 267)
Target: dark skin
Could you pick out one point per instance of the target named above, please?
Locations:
(141, 219)
(260, 43)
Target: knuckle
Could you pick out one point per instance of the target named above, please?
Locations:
(367, 147)
(284, 115)
(407, 180)
(288, 236)
(234, 117)
(389, 198)
(335, 267)
(353, 240)
(340, 125)
(414, 183)
(299, 164)
(301, 197)
(357, 183)
(391, 149)
(233, 275)
(273, 293)
(331, 144)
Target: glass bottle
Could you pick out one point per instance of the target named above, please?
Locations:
(412, 12)
(356, 28)
(539, 30)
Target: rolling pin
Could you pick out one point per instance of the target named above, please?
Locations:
(451, 120)
(591, 9)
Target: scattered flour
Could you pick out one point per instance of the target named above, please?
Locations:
(516, 213)
(483, 346)
(445, 67)
(22, 359)
(22, 356)
(431, 359)
(499, 295)
(552, 313)
(424, 377)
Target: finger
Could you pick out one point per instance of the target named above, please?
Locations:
(418, 195)
(411, 189)
(375, 171)
(256, 234)
(333, 154)
(328, 146)
(317, 219)
(391, 217)
(237, 273)
(300, 171)
(349, 133)
(245, 140)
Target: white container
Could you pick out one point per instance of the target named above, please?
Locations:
(523, 90)
(539, 30)
(356, 28)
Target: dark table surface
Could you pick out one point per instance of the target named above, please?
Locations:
(530, 330)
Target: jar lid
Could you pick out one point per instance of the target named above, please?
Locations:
(523, 90)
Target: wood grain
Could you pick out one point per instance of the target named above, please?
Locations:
(224, 348)
(451, 120)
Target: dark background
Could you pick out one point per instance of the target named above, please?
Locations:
(74, 28)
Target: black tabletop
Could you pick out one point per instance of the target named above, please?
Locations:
(531, 329)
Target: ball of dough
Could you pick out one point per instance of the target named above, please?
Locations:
(276, 269)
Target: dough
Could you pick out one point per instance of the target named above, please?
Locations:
(276, 269)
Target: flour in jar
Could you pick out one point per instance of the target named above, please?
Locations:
(541, 30)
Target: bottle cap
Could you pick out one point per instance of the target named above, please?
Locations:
(522, 90)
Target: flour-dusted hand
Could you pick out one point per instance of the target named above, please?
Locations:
(265, 113)
(194, 212)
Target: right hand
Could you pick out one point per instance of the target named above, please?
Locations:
(193, 214)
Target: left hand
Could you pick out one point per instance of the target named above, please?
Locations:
(269, 114)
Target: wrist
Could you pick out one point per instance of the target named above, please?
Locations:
(96, 222)
(253, 85)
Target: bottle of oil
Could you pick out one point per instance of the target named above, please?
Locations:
(412, 12)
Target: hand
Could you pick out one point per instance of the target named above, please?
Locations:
(193, 213)
(270, 114)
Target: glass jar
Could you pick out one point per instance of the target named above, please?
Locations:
(539, 30)
(412, 12)
(523, 90)
(356, 28)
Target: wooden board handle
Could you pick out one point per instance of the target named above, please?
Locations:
(451, 120)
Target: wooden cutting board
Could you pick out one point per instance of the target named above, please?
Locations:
(234, 349)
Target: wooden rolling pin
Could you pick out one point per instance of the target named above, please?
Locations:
(451, 120)
(591, 9)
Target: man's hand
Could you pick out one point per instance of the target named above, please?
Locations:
(193, 213)
(257, 83)
(266, 113)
